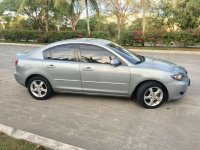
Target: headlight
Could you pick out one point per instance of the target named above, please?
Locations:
(178, 77)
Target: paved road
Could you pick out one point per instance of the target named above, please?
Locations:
(103, 123)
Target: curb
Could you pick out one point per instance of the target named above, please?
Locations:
(20, 44)
(135, 50)
(166, 51)
(36, 139)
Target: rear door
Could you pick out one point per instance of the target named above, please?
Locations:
(62, 67)
(98, 76)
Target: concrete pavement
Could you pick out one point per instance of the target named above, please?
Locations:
(103, 123)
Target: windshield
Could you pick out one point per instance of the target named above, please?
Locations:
(129, 55)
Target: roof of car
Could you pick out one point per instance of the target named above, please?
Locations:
(94, 41)
(85, 40)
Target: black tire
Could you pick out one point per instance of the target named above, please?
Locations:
(143, 89)
(48, 88)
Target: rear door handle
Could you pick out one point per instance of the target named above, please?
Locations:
(87, 69)
(50, 66)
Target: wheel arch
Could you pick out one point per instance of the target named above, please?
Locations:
(145, 81)
(34, 75)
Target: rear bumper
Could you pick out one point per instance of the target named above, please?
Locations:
(178, 89)
(19, 78)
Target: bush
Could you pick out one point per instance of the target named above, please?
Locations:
(17, 36)
(43, 37)
(154, 37)
(134, 38)
(184, 38)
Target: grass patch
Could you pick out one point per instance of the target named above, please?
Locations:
(9, 143)
(164, 48)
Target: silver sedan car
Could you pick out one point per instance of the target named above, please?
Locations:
(99, 67)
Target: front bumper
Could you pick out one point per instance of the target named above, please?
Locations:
(19, 78)
(178, 89)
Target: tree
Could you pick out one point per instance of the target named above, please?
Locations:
(121, 9)
(43, 8)
(32, 10)
(71, 11)
(93, 5)
(184, 14)
(75, 13)
(147, 10)
(76, 8)
(46, 15)
(194, 3)
(82, 24)
(144, 4)
(98, 23)
(187, 14)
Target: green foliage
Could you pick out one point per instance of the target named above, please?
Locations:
(111, 28)
(153, 23)
(43, 37)
(93, 5)
(170, 15)
(184, 38)
(182, 13)
(136, 24)
(82, 24)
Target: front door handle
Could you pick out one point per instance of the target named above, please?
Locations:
(50, 66)
(87, 69)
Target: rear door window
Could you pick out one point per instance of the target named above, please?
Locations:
(61, 52)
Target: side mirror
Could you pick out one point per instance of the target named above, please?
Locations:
(115, 62)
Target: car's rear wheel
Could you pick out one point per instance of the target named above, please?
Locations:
(151, 94)
(39, 88)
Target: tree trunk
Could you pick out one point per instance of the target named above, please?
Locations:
(73, 27)
(118, 27)
(98, 24)
(46, 15)
(3, 25)
(88, 19)
(143, 16)
(58, 28)
(74, 21)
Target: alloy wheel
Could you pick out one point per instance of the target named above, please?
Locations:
(38, 88)
(153, 96)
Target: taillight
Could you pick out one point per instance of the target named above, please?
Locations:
(16, 61)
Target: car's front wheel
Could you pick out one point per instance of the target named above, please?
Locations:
(151, 94)
(39, 88)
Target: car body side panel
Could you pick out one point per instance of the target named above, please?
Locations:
(104, 78)
(65, 75)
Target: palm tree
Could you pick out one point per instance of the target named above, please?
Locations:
(94, 6)
(45, 7)
(144, 9)
(46, 15)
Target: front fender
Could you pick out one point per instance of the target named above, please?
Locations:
(141, 75)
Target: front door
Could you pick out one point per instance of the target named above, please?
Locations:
(62, 67)
(98, 76)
